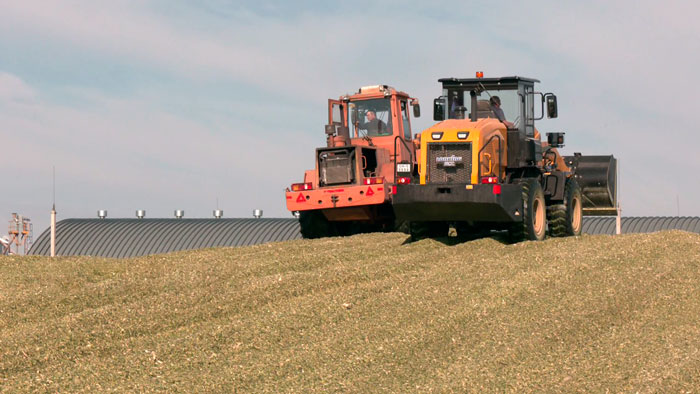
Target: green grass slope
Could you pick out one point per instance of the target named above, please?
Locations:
(363, 314)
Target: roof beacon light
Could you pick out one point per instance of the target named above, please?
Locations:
(479, 74)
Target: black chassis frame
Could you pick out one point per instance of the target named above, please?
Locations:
(458, 202)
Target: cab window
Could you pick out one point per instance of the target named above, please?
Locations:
(370, 118)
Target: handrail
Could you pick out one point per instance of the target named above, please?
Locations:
(500, 156)
(395, 155)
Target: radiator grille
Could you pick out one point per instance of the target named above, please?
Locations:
(449, 162)
(336, 167)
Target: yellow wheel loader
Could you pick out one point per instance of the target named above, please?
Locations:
(485, 167)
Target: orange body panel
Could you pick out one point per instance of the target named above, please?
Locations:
(344, 196)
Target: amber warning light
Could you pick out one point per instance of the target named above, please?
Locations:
(373, 181)
(297, 187)
(479, 74)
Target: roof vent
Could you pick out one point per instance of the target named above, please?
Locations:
(140, 214)
(257, 213)
(218, 213)
(102, 213)
(179, 213)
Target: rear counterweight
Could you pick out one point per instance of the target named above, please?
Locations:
(450, 202)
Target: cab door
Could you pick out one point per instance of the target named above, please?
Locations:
(336, 112)
(405, 151)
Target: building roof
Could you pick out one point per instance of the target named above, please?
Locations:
(140, 237)
(644, 224)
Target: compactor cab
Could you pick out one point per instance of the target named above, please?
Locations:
(349, 191)
(485, 166)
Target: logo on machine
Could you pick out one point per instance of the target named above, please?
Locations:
(448, 161)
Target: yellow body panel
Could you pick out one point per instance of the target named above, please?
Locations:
(480, 132)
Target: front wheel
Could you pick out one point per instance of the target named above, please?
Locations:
(566, 219)
(315, 225)
(534, 214)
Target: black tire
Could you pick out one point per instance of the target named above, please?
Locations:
(401, 227)
(467, 231)
(565, 219)
(314, 225)
(421, 230)
(534, 214)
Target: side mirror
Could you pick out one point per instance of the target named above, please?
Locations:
(551, 106)
(416, 110)
(438, 109)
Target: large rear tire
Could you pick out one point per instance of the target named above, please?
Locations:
(534, 214)
(315, 225)
(566, 219)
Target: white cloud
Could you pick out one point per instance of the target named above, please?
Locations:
(12, 88)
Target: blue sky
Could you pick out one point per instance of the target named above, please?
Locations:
(163, 105)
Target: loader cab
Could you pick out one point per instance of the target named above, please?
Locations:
(366, 131)
(469, 98)
(380, 111)
(373, 112)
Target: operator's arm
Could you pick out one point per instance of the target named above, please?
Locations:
(502, 117)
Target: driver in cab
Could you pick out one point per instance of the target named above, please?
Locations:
(495, 102)
(373, 125)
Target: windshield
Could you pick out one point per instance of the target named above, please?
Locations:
(370, 117)
(459, 103)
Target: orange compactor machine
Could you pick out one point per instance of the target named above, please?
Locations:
(350, 190)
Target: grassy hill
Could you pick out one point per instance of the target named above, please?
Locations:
(365, 313)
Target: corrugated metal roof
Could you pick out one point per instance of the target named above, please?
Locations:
(140, 237)
(644, 224)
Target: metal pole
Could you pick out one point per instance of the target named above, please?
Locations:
(53, 231)
(618, 220)
(53, 216)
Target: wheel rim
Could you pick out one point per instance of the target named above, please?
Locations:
(576, 214)
(539, 217)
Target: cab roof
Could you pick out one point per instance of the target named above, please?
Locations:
(514, 80)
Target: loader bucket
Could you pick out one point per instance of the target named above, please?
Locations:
(597, 178)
